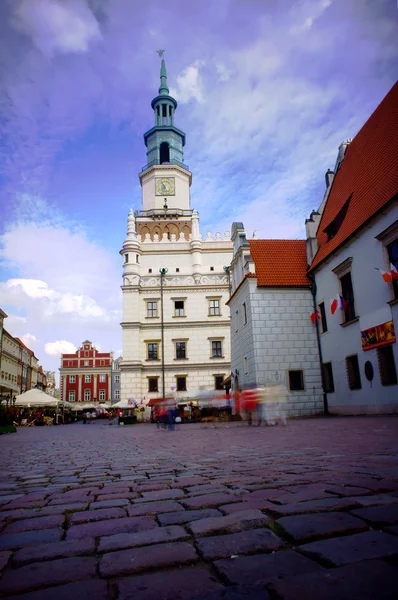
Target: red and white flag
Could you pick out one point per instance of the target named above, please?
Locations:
(315, 315)
(336, 303)
(394, 272)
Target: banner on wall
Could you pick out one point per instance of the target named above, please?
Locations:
(377, 336)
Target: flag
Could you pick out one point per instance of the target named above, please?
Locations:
(394, 272)
(315, 315)
(336, 303)
(387, 275)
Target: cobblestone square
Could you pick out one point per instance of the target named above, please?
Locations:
(216, 512)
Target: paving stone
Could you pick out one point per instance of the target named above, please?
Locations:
(240, 521)
(377, 500)
(153, 508)
(149, 557)
(29, 513)
(143, 538)
(379, 515)
(96, 515)
(264, 568)
(160, 495)
(181, 584)
(151, 486)
(348, 490)
(302, 528)
(209, 500)
(117, 502)
(249, 504)
(4, 558)
(52, 551)
(29, 538)
(110, 527)
(353, 548)
(117, 496)
(206, 488)
(22, 503)
(360, 581)
(93, 589)
(237, 592)
(43, 574)
(35, 524)
(185, 481)
(244, 542)
(313, 506)
(186, 516)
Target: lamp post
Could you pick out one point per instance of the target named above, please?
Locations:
(162, 272)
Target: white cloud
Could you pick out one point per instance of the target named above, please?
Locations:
(313, 11)
(65, 26)
(59, 347)
(28, 339)
(190, 84)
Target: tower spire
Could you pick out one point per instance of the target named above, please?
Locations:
(163, 90)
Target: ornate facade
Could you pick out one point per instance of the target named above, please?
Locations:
(192, 348)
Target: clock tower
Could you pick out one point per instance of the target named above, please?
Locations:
(165, 179)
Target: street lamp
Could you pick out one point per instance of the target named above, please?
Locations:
(162, 272)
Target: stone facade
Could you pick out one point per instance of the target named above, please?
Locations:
(272, 334)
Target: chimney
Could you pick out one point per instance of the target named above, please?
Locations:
(328, 177)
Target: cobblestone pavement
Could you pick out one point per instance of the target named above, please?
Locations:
(104, 512)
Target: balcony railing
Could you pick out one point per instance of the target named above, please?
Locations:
(154, 212)
(174, 161)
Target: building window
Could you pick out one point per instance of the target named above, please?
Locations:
(354, 376)
(244, 313)
(149, 270)
(218, 382)
(71, 396)
(126, 258)
(245, 365)
(102, 378)
(88, 378)
(102, 395)
(70, 363)
(211, 268)
(388, 371)
(152, 351)
(117, 378)
(236, 320)
(214, 308)
(324, 323)
(116, 366)
(117, 394)
(348, 295)
(87, 395)
(102, 363)
(392, 250)
(296, 380)
(181, 350)
(177, 270)
(137, 258)
(153, 384)
(152, 309)
(86, 354)
(181, 383)
(86, 363)
(328, 377)
(72, 378)
(216, 349)
(179, 308)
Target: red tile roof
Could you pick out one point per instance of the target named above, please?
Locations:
(369, 172)
(280, 263)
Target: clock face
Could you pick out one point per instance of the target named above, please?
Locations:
(165, 186)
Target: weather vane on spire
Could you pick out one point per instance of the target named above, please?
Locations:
(160, 52)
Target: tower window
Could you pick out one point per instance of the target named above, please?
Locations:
(177, 270)
(164, 153)
(211, 268)
(149, 270)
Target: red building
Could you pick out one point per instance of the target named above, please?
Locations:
(86, 375)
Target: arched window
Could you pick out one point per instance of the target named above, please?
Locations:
(164, 153)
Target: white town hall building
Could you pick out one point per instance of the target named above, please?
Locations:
(191, 348)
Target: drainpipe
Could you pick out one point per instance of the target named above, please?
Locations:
(313, 289)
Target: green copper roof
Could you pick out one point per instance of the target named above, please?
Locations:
(163, 90)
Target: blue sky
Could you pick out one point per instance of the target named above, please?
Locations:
(267, 90)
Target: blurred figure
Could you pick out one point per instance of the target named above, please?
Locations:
(250, 399)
